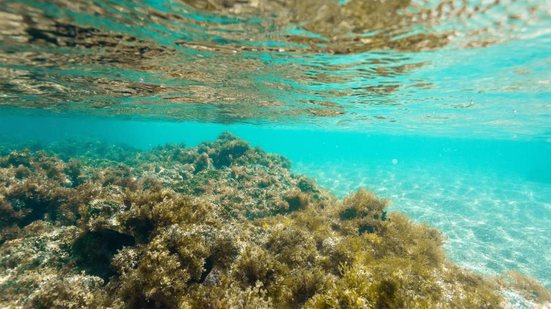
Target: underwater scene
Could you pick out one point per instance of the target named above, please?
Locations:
(275, 154)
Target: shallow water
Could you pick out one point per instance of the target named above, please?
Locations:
(491, 198)
(444, 107)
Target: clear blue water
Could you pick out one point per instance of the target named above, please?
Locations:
(443, 108)
(490, 197)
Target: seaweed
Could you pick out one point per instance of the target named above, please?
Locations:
(94, 250)
(363, 212)
(77, 291)
(220, 225)
(532, 290)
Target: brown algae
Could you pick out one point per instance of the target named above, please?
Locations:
(220, 225)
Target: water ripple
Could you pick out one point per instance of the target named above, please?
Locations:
(446, 66)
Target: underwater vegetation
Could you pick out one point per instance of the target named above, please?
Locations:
(220, 225)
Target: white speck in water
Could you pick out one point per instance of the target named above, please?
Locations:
(394, 161)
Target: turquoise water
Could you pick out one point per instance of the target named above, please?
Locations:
(490, 197)
(443, 108)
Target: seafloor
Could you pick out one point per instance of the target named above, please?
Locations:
(220, 225)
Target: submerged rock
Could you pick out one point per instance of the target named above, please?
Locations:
(220, 225)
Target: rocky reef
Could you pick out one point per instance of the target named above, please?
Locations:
(220, 225)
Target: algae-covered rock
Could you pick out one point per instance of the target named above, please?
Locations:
(220, 225)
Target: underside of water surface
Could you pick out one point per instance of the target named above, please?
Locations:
(275, 154)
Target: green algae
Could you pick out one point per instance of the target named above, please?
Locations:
(221, 225)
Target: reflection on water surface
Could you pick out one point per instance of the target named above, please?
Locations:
(352, 63)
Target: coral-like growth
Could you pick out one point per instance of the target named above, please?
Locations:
(221, 225)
